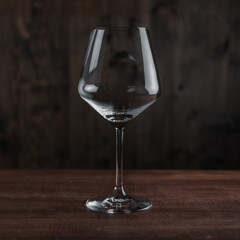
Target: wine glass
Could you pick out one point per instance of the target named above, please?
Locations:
(119, 80)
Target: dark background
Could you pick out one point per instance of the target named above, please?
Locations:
(45, 124)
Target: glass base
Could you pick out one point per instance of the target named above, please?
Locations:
(126, 204)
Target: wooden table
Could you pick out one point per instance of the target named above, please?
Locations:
(49, 204)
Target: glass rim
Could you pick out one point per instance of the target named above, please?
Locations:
(120, 28)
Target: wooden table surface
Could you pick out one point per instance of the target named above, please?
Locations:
(49, 204)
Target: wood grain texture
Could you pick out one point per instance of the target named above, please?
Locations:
(36, 83)
(45, 124)
(187, 205)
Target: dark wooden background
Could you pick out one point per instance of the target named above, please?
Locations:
(45, 124)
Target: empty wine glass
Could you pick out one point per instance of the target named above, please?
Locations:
(119, 80)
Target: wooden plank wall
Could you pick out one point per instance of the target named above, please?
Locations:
(45, 124)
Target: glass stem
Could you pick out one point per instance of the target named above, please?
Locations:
(118, 191)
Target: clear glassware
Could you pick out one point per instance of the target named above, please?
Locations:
(119, 80)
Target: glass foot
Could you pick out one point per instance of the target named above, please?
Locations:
(126, 204)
